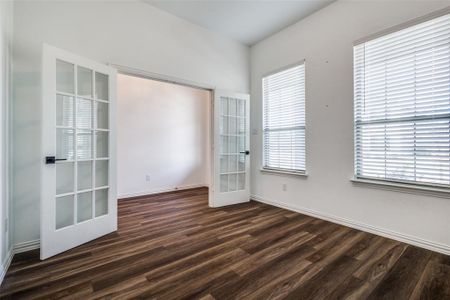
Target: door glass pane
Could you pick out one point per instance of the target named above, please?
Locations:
(232, 146)
(223, 163)
(65, 77)
(224, 183)
(64, 178)
(102, 115)
(224, 125)
(101, 86)
(232, 166)
(84, 175)
(64, 110)
(84, 113)
(232, 182)
(241, 181)
(101, 173)
(241, 126)
(232, 125)
(64, 211)
(241, 164)
(84, 144)
(224, 144)
(224, 106)
(242, 146)
(84, 82)
(241, 108)
(64, 144)
(84, 206)
(101, 202)
(232, 108)
(102, 144)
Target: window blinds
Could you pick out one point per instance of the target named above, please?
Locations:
(402, 105)
(284, 120)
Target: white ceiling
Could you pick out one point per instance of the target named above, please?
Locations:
(247, 21)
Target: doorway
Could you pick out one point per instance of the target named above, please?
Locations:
(163, 136)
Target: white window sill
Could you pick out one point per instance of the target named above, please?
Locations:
(441, 192)
(283, 172)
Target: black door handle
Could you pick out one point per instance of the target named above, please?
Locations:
(51, 160)
(245, 152)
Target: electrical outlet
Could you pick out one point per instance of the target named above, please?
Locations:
(284, 187)
(147, 177)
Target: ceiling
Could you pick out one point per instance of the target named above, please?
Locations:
(247, 21)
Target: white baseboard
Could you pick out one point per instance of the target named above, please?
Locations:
(158, 191)
(26, 246)
(17, 248)
(5, 265)
(412, 240)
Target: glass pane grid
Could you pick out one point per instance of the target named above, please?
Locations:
(232, 142)
(82, 127)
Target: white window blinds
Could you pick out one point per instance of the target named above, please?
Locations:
(284, 120)
(402, 105)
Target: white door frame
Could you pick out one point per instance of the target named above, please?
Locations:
(54, 241)
(159, 77)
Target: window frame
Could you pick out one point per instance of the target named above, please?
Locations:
(394, 184)
(282, 171)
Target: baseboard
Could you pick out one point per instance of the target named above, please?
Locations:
(26, 246)
(159, 191)
(17, 248)
(5, 265)
(412, 240)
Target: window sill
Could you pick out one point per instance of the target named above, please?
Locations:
(282, 172)
(441, 192)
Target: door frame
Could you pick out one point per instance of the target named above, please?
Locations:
(124, 70)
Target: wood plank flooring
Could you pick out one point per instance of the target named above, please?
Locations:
(173, 246)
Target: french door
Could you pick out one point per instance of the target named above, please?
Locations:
(78, 201)
(231, 149)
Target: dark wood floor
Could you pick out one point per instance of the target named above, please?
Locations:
(173, 246)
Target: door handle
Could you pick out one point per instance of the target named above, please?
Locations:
(245, 152)
(51, 160)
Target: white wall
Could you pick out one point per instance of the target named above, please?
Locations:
(163, 132)
(6, 10)
(325, 40)
(129, 33)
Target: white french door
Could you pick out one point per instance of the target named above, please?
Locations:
(78, 201)
(231, 171)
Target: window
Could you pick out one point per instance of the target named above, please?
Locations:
(402, 105)
(284, 120)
